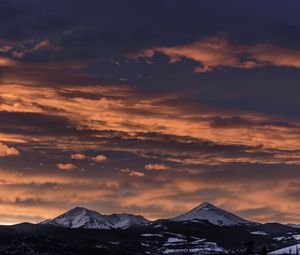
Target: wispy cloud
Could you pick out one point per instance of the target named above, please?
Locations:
(215, 52)
(156, 167)
(123, 109)
(133, 173)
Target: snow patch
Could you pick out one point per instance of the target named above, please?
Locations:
(259, 233)
(150, 235)
(287, 250)
(176, 240)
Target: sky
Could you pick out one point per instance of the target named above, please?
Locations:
(149, 107)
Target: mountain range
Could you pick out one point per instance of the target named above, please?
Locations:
(206, 229)
(80, 217)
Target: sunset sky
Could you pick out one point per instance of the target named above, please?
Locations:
(149, 107)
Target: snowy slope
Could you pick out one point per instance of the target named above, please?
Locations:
(213, 214)
(80, 217)
(295, 249)
(125, 220)
(293, 225)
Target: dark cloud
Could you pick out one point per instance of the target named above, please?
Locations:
(19, 22)
(34, 122)
(238, 122)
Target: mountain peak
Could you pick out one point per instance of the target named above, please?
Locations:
(79, 209)
(205, 205)
(211, 213)
(81, 217)
(76, 211)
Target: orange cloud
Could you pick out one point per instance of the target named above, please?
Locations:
(132, 172)
(19, 54)
(99, 158)
(41, 45)
(164, 195)
(214, 52)
(78, 156)
(7, 62)
(156, 167)
(66, 166)
(124, 109)
(8, 151)
(20, 194)
(5, 48)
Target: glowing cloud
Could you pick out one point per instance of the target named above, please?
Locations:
(66, 166)
(8, 151)
(132, 172)
(214, 52)
(78, 156)
(99, 158)
(133, 114)
(7, 62)
(156, 167)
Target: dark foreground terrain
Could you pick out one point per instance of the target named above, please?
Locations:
(159, 237)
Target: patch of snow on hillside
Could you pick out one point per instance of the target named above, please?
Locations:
(287, 250)
(206, 248)
(151, 235)
(259, 233)
(175, 240)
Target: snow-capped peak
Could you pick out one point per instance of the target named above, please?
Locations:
(205, 206)
(80, 217)
(213, 214)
